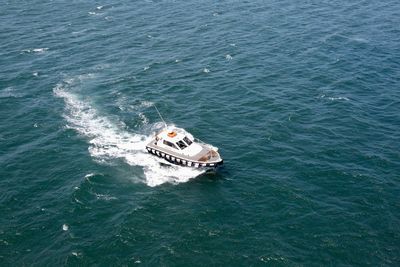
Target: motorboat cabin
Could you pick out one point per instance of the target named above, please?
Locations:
(179, 147)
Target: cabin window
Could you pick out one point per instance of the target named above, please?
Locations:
(169, 144)
(187, 140)
(181, 144)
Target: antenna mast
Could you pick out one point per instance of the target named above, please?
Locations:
(159, 114)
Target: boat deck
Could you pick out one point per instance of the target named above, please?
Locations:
(205, 155)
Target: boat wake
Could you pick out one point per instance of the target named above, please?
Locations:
(109, 140)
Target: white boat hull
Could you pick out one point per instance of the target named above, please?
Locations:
(183, 161)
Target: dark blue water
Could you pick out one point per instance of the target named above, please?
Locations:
(302, 99)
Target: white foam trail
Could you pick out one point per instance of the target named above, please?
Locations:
(143, 118)
(109, 141)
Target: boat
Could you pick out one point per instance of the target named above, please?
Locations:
(179, 147)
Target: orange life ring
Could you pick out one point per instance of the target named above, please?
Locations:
(172, 134)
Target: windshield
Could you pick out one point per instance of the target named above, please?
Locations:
(181, 144)
(187, 140)
(169, 144)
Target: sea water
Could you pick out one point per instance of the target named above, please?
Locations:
(302, 99)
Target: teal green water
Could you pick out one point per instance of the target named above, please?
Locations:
(302, 99)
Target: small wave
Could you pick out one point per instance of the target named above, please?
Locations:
(146, 104)
(334, 98)
(359, 39)
(125, 104)
(10, 92)
(78, 201)
(35, 50)
(205, 70)
(89, 175)
(108, 141)
(76, 254)
(40, 50)
(79, 32)
(105, 197)
(228, 57)
(335, 35)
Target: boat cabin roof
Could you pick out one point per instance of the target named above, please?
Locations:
(172, 137)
